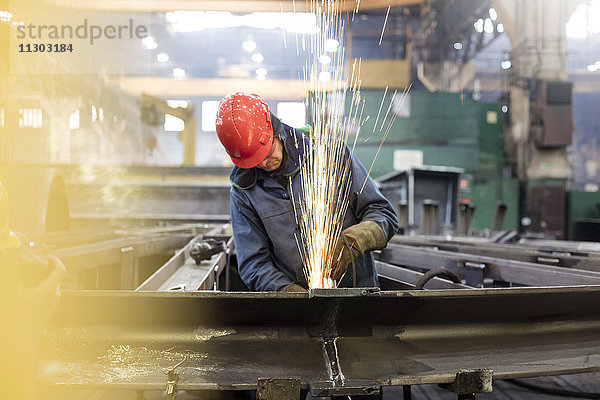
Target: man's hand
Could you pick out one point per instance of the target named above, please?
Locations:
(293, 288)
(360, 238)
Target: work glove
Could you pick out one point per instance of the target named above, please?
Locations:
(292, 288)
(362, 237)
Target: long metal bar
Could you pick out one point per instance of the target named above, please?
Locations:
(512, 252)
(182, 273)
(410, 278)
(108, 252)
(475, 268)
(127, 340)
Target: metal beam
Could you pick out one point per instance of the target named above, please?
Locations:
(127, 340)
(512, 252)
(239, 6)
(410, 278)
(109, 252)
(181, 273)
(475, 268)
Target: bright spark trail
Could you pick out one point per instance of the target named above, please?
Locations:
(325, 171)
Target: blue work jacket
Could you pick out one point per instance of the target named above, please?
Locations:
(265, 226)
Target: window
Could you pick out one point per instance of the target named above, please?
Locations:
(172, 123)
(30, 118)
(292, 113)
(74, 120)
(209, 115)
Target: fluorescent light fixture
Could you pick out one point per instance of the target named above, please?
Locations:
(149, 42)
(193, 21)
(331, 45)
(493, 14)
(261, 73)
(257, 57)
(324, 59)
(458, 46)
(500, 28)
(179, 73)
(488, 26)
(162, 57)
(478, 25)
(506, 64)
(324, 76)
(249, 46)
(592, 68)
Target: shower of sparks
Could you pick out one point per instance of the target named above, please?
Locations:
(384, 23)
(282, 27)
(388, 128)
(325, 171)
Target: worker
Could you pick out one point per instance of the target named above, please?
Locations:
(265, 182)
(29, 297)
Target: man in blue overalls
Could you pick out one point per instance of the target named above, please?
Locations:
(268, 155)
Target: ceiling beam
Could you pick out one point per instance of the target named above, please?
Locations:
(293, 90)
(240, 6)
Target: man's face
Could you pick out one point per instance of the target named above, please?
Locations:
(274, 158)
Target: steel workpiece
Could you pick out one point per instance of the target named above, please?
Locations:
(474, 268)
(347, 337)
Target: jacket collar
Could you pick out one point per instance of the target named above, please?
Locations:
(293, 146)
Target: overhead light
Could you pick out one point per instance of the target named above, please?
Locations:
(331, 45)
(324, 59)
(249, 46)
(458, 46)
(179, 73)
(261, 73)
(162, 57)
(506, 64)
(493, 14)
(592, 68)
(149, 42)
(324, 76)
(500, 28)
(488, 26)
(257, 57)
(478, 25)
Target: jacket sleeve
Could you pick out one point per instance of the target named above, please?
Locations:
(253, 248)
(367, 202)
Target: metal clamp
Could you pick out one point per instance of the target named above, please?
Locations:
(172, 380)
(469, 382)
(278, 389)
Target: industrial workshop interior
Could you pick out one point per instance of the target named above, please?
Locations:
(299, 199)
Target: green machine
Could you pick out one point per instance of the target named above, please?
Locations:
(442, 130)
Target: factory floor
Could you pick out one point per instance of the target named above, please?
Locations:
(587, 384)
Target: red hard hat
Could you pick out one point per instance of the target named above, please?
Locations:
(244, 128)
